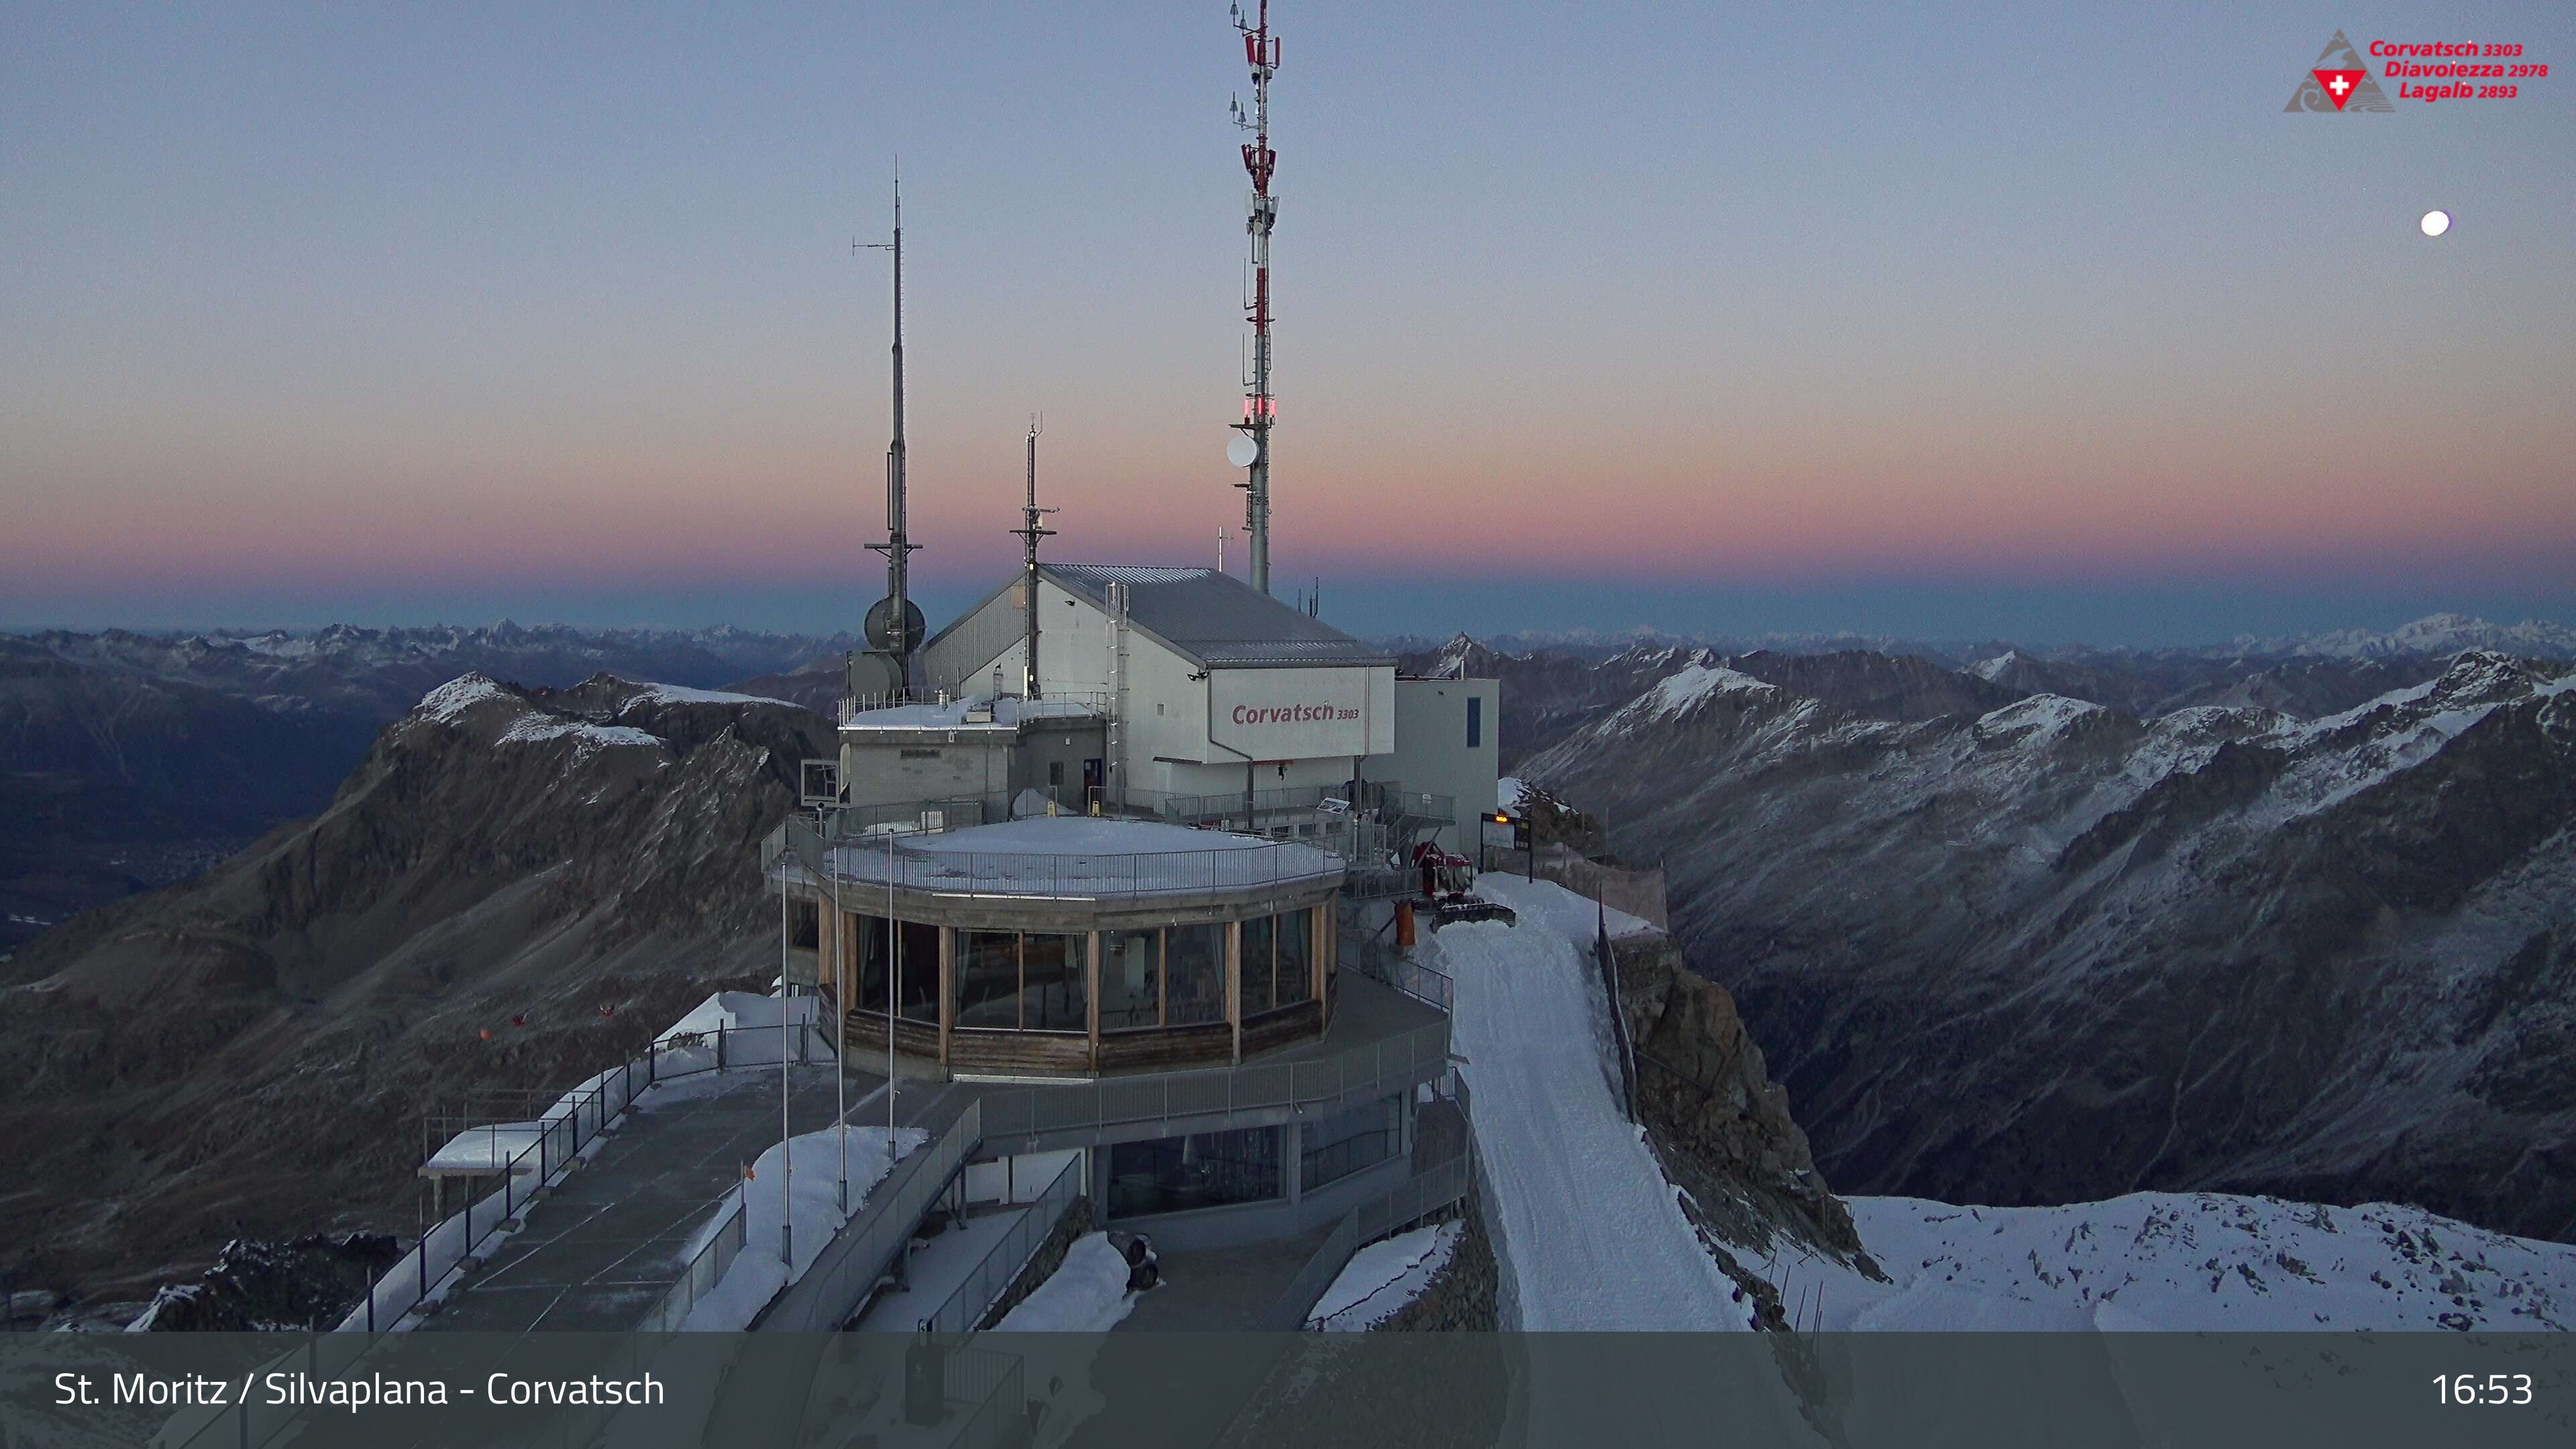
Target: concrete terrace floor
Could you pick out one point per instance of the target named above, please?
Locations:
(602, 1249)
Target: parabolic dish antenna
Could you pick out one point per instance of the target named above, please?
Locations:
(880, 625)
(1240, 450)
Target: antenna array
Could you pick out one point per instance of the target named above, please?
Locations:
(1261, 54)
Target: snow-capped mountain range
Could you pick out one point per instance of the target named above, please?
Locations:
(2433, 634)
(2043, 949)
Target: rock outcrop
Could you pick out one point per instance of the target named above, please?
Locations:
(513, 889)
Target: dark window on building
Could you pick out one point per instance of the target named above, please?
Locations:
(918, 988)
(988, 978)
(1131, 979)
(1295, 971)
(1338, 1146)
(1055, 775)
(1194, 970)
(1475, 721)
(1258, 940)
(804, 924)
(1052, 997)
(1177, 1174)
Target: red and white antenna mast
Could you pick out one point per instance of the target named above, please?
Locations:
(1261, 53)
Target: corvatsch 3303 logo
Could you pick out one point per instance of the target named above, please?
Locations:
(2339, 82)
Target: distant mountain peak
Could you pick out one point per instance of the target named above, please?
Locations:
(2443, 633)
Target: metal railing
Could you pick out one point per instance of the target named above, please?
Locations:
(1371, 1068)
(1054, 704)
(706, 1269)
(1080, 876)
(849, 1266)
(1000, 1267)
(1001, 1411)
(558, 1136)
(1378, 961)
(1432, 1190)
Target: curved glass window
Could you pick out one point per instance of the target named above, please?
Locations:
(1194, 975)
(1259, 940)
(873, 950)
(1131, 979)
(988, 978)
(1052, 996)
(1023, 983)
(1294, 971)
(1278, 959)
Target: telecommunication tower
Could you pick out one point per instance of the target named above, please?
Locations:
(894, 625)
(1251, 452)
(1032, 528)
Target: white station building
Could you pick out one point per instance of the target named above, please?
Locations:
(1179, 687)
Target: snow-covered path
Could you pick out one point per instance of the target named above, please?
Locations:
(1590, 1233)
(1596, 1236)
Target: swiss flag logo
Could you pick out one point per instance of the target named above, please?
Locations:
(2339, 83)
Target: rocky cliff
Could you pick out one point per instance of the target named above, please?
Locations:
(512, 889)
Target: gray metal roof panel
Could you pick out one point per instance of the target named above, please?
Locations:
(1217, 619)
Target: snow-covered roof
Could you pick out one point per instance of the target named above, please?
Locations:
(1083, 835)
(1214, 619)
(1009, 713)
(1082, 857)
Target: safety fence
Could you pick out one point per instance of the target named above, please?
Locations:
(847, 1269)
(1430, 1191)
(1369, 1068)
(707, 1267)
(995, 1384)
(993, 1275)
(1638, 893)
(1375, 958)
(526, 1156)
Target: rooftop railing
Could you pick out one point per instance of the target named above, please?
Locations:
(1055, 703)
(1078, 876)
(1370, 1068)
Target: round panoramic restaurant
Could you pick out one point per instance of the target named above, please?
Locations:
(1070, 945)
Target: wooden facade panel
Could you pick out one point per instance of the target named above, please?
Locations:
(978, 1049)
(1288, 1025)
(864, 1032)
(1210, 1044)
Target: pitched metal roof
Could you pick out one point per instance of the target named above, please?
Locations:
(1216, 619)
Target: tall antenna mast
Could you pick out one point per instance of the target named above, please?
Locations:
(1032, 528)
(894, 626)
(1261, 53)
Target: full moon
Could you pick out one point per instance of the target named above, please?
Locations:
(2436, 222)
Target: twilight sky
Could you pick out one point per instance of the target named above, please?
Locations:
(2025, 325)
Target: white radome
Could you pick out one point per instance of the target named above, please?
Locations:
(2436, 222)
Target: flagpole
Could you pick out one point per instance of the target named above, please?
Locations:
(786, 1153)
(894, 989)
(840, 1010)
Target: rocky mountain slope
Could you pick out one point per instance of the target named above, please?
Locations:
(133, 760)
(248, 1054)
(2051, 951)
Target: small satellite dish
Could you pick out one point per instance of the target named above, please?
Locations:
(1240, 450)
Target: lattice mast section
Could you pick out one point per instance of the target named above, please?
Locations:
(1032, 528)
(1260, 409)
